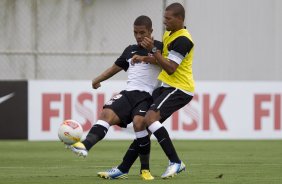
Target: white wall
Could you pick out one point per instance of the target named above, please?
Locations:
(71, 39)
(237, 39)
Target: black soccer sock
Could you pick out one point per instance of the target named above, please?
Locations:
(96, 133)
(145, 162)
(164, 140)
(129, 157)
(144, 148)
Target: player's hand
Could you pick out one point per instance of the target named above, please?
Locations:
(136, 59)
(95, 84)
(148, 43)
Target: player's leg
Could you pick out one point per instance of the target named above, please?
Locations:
(143, 145)
(122, 170)
(111, 114)
(125, 116)
(169, 101)
(98, 131)
(175, 164)
(129, 158)
(140, 102)
(132, 153)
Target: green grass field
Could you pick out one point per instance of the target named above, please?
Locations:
(208, 162)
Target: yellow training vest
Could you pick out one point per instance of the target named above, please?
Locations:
(182, 78)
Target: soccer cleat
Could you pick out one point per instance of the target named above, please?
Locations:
(146, 175)
(113, 173)
(79, 149)
(173, 169)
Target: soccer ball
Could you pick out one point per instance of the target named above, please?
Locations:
(70, 132)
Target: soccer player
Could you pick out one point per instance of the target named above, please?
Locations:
(131, 104)
(177, 88)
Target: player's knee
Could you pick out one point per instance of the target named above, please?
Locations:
(139, 123)
(151, 117)
(109, 116)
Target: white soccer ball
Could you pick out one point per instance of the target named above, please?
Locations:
(70, 132)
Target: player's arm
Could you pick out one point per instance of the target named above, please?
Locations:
(105, 75)
(120, 64)
(167, 65)
(180, 47)
(148, 59)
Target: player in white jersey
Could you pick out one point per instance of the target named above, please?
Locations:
(130, 105)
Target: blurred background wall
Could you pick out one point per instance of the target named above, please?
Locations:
(78, 39)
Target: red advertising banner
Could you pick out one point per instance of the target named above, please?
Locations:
(219, 110)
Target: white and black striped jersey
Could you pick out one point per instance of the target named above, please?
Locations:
(141, 76)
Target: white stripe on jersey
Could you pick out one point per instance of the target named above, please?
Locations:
(142, 77)
(175, 56)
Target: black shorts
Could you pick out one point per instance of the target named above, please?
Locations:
(127, 104)
(168, 100)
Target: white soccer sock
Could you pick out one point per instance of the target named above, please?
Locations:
(141, 134)
(155, 126)
(103, 123)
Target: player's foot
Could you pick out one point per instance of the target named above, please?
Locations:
(79, 149)
(173, 169)
(113, 173)
(146, 175)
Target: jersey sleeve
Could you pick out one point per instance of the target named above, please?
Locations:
(180, 47)
(122, 60)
